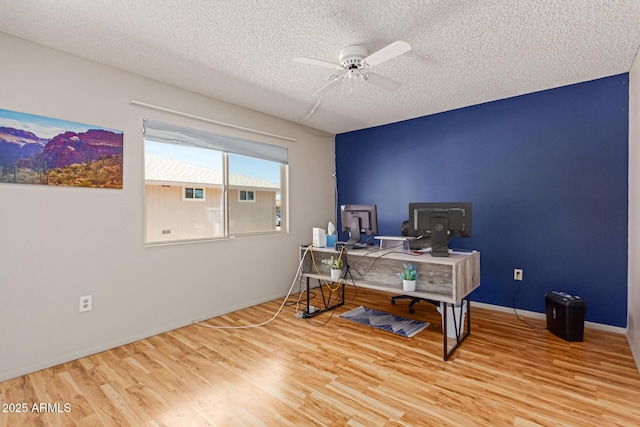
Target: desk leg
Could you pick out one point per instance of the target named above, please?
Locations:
(461, 334)
(308, 293)
(325, 300)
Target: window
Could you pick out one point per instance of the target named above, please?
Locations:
(191, 193)
(240, 185)
(246, 196)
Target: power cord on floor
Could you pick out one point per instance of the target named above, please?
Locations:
(516, 312)
(308, 319)
(298, 273)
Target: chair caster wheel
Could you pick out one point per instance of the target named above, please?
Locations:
(393, 302)
(412, 310)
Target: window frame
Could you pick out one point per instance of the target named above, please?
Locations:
(194, 198)
(281, 193)
(247, 199)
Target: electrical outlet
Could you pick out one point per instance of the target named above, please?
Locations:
(86, 303)
(517, 274)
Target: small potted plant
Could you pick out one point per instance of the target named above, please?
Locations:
(408, 276)
(335, 264)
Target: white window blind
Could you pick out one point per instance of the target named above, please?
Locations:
(172, 134)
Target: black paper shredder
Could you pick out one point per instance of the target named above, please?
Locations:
(565, 315)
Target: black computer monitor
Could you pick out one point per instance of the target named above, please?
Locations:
(440, 222)
(358, 220)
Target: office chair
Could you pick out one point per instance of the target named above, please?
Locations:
(413, 300)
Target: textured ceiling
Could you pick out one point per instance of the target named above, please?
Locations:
(241, 51)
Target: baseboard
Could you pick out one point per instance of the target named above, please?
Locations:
(543, 316)
(634, 354)
(4, 376)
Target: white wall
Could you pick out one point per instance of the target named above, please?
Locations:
(633, 332)
(57, 244)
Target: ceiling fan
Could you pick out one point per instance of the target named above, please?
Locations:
(355, 63)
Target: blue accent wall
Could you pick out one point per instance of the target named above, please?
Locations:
(546, 173)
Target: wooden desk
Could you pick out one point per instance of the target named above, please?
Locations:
(447, 280)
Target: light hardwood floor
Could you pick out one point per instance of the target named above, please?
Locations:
(328, 371)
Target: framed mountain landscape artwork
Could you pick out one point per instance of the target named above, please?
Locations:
(45, 151)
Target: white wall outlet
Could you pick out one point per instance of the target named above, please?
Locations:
(517, 274)
(86, 303)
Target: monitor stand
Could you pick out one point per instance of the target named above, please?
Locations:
(439, 236)
(354, 235)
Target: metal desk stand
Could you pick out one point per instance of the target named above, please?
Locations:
(457, 323)
(326, 300)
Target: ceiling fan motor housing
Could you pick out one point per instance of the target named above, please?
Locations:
(351, 56)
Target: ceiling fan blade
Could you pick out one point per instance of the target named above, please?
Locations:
(381, 81)
(318, 62)
(386, 53)
(333, 83)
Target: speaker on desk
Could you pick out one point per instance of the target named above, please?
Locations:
(319, 238)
